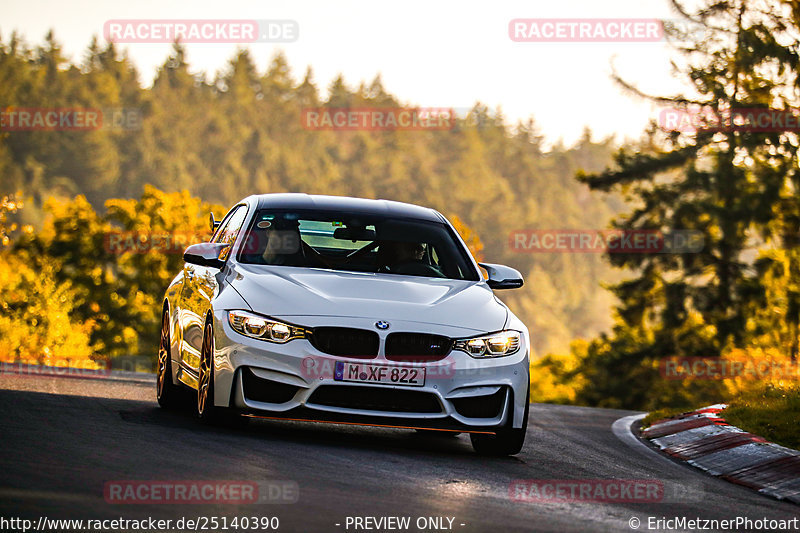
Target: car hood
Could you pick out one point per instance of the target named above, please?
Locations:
(288, 291)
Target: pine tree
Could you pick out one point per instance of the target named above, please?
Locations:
(724, 183)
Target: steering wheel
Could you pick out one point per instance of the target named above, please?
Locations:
(310, 253)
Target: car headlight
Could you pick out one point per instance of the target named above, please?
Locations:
(263, 328)
(492, 345)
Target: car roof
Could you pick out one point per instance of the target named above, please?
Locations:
(344, 203)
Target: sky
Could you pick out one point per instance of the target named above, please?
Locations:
(433, 53)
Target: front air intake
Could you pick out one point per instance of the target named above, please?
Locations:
(419, 347)
(345, 342)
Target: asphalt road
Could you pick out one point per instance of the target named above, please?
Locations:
(63, 439)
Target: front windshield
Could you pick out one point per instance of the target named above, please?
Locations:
(355, 242)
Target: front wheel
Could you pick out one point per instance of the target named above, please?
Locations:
(508, 440)
(204, 407)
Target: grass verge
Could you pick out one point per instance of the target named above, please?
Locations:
(666, 412)
(772, 412)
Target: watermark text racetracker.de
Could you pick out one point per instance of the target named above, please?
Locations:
(697, 119)
(120, 242)
(78, 367)
(554, 30)
(142, 242)
(586, 490)
(717, 368)
(632, 241)
(141, 492)
(378, 118)
(620, 491)
(322, 368)
(604, 30)
(201, 31)
(14, 118)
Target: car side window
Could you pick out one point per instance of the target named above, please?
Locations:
(230, 229)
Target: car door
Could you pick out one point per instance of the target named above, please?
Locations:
(199, 289)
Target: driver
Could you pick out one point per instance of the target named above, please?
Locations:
(408, 252)
(397, 253)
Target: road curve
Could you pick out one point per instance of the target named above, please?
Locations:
(63, 438)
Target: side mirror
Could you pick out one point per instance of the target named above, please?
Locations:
(205, 254)
(502, 277)
(214, 223)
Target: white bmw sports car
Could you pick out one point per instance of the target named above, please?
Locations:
(345, 310)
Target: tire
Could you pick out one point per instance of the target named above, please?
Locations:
(508, 440)
(169, 395)
(205, 409)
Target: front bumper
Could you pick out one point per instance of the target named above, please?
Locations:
(296, 381)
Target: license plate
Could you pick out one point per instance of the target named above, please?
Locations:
(391, 375)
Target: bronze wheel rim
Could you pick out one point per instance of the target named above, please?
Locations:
(163, 354)
(205, 371)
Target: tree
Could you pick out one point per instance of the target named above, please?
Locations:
(724, 183)
(36, 321)
(118, 264)
(242, 133)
